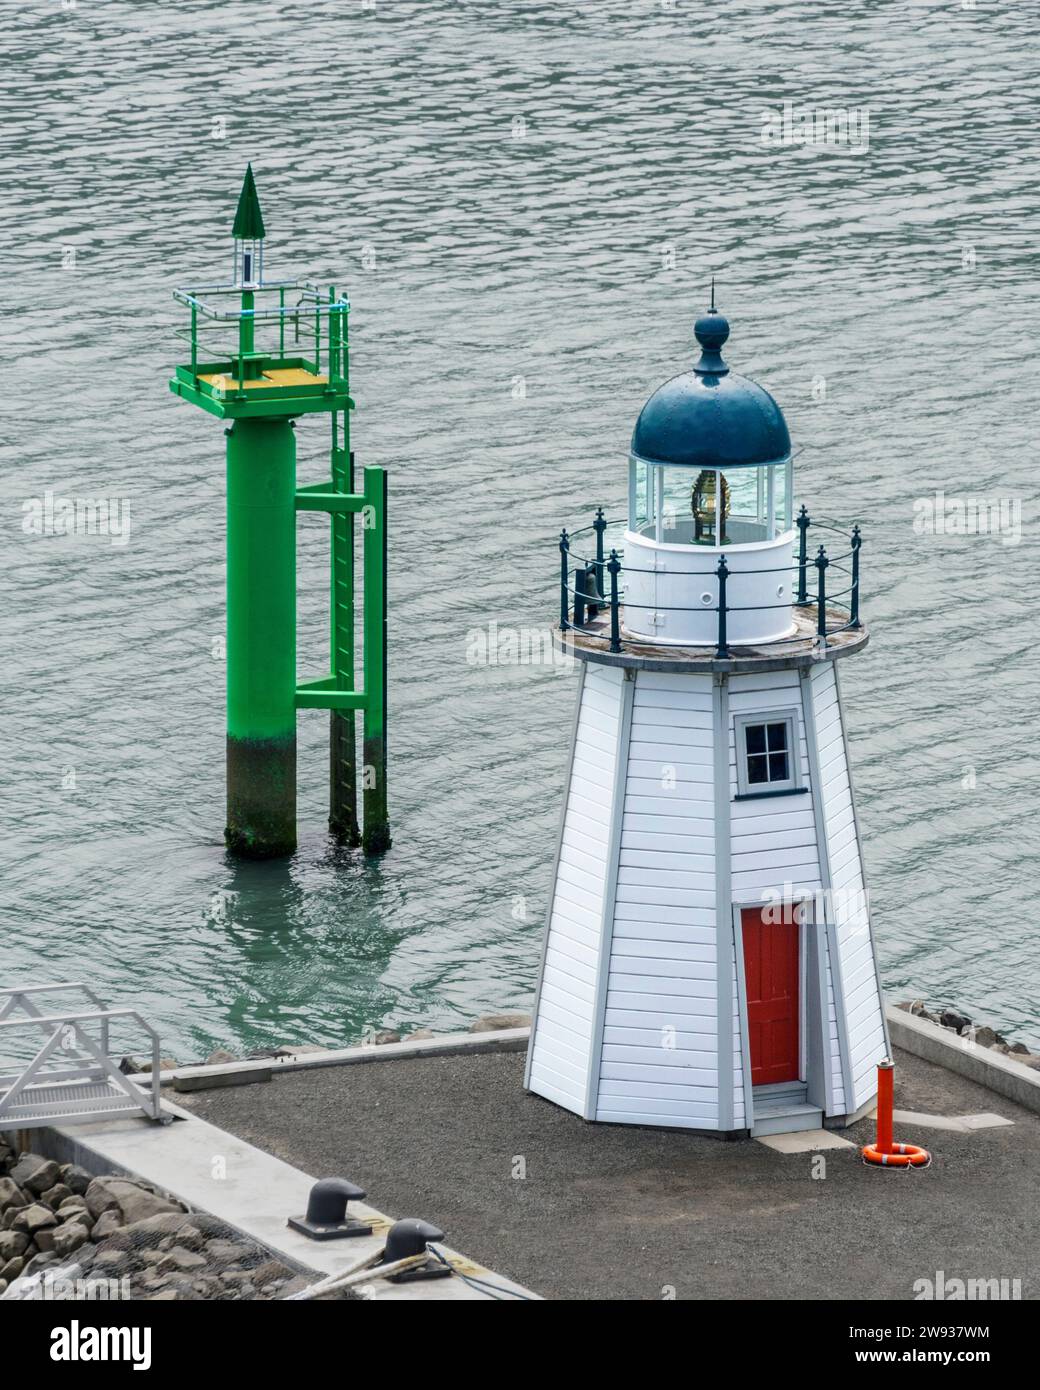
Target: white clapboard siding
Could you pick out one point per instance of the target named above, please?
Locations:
(739, 1116)
(773, 840)
(659, 1063)
(561, 1035)
(861, 989)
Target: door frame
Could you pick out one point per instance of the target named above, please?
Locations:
(808, 1064)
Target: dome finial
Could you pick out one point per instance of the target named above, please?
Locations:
(711, 331)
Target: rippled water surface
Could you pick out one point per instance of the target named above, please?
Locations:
(508, 190)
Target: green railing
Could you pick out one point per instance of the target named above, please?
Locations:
(269, 322)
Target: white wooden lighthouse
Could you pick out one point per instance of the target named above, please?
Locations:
(708, 961)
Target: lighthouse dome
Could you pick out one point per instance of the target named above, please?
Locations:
(711, 417)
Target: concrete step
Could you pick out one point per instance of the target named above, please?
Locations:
(786, 1119)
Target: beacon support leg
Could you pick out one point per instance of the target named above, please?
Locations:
(343, 811)
(376, 829)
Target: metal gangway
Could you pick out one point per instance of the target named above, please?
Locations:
(71, 1079)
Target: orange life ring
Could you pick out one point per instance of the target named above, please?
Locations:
(901, 1156)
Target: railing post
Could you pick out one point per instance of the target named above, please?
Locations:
(614, 569)
(194, 345)
(722, 650)
(599, 526)
(857, 541)
(580, 596)
(821, 595)
(565, 546)
(802, 522)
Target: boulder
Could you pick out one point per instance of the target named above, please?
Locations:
(420, 1035)
(917, 1008)
(11, 1270)
(12, 1244)
(35, 1174)
(134, 1066)
(385, 1035)
(270, 1269)
(73, 1216)
(34, 1218)
(54, 1196)
(130, 1199)
(958, 1022)
(494, 1023)
(106, 1224)
(11, 1195)
(225, 1251)
(110, 1264)
(75, 1178)
(1019, 1047)
(219, 1058)
(152, 1230)
(118, 1240)
(985, 1037)
(180, 1260)
(40, 1261)
(63, 1240)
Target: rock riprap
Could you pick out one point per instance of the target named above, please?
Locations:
(60, 1224)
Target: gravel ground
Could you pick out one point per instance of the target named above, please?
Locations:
(611, 1212)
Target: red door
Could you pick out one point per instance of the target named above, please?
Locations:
(771, 973)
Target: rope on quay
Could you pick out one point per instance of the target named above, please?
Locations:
(369, 1268)
(359, 1273)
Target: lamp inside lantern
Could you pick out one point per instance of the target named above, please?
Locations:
(709, 517)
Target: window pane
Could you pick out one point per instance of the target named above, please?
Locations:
(756, 768)
(755, 734)
(777, 737)
(780, 498)
(778, 767)
(642, 493)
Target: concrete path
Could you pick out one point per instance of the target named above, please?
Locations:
(594, 1211)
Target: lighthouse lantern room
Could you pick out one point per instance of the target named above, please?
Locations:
(708, 961)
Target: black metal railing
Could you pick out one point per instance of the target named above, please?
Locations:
(582, 599)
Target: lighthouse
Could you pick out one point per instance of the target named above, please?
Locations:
(708, 960)
(266, 353)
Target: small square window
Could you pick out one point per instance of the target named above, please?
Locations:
(766, 753)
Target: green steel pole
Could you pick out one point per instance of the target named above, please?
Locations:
(343, 802)
(261, 638)
(343, 808)
(376, 832)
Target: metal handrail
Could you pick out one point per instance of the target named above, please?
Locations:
(35, 1095)
(585, 599)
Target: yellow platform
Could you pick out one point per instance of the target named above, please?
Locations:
(284, 376)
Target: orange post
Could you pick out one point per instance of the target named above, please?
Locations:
(884, 1106)
(885, 1152)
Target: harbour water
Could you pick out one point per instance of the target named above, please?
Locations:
(526, 202)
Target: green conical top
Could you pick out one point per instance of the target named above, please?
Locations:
(249, 220)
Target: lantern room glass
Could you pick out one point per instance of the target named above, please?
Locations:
(751, 503)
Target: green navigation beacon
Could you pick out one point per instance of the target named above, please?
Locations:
(263, 353)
